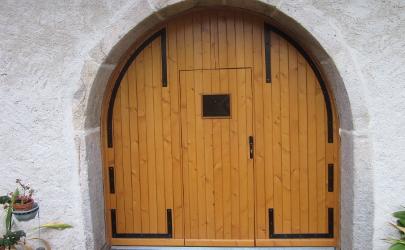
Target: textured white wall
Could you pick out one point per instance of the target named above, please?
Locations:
(56, 55)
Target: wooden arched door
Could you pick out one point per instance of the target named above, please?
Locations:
(218, 130)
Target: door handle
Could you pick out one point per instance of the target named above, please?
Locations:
(251, 147)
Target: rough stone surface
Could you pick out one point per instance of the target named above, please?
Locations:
(56, 58)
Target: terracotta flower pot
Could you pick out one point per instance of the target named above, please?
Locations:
(26, 205)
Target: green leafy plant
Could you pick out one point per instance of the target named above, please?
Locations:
(398, 243)
(11, 238)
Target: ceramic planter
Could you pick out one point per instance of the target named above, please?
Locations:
(28, 214)
(27, 205)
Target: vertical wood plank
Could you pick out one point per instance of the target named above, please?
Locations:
(303, 142)
(248, 51)
(209, 163)
(208, 61)
(227, 141)
(261, 210)
(126, 156)
(143, 162)
(159, 150)
(235, 157)
(119, 178)
(178, 208)
(242, 127)
(192, 164)
(181, 57)
(320, 158)
(268, 126)
(285, 136)
(312, 187)
(200, 156)
(135, 158)
(231, 41)
(223, 51)
(191, 129)
(198, 64)
(222, 41)
(217, 157)
(198, 52)
(206, 42)
(222, 192)
(250, 231)
(185, 149)
(214, 40)
(243, 154)
(150, 133)
(295, 170)
(277, 166)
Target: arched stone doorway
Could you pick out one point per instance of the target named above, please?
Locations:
(96, 88)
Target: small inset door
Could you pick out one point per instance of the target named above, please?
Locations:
(216, 110)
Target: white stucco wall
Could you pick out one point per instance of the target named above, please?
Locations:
(55, 57)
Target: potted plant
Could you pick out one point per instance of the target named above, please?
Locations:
(24, 200)
(13, 238)
(23, 206)
(398, 243)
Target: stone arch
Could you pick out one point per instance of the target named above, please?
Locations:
(321, 41)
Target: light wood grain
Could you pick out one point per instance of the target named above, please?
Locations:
(165, 155)
(126, 156)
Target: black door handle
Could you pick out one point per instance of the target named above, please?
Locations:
(251, 149)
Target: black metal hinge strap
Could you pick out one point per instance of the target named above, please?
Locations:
(273, 235)
(251, 147)
(169, 233)
(111, 179)
(162, 34)
(267, 51)
(318, 75)
(330, 177)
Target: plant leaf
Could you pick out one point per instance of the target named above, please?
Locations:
(399, 214)
(402, 229)
(12, 238)
(397, 246)
(57, 226)
(4, 199)
(9, 213)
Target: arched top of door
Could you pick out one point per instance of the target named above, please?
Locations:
(161, 33)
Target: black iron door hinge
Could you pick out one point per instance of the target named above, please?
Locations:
(251, 147)
(330, 177)
(111, 179)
